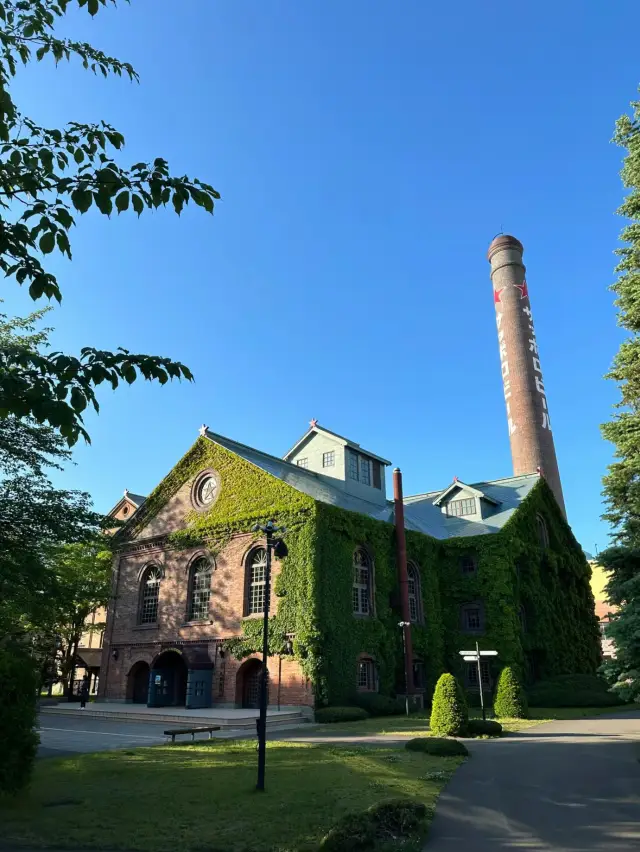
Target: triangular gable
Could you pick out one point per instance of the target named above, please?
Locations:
(316, 429)
(458, 484)
(246, 491)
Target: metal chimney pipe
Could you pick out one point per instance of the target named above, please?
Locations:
(403, 580)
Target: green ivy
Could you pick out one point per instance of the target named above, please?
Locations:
(314, 585)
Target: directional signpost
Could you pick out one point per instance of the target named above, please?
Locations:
(476, 657)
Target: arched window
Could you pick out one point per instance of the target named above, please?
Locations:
(543, 532)
(366, 679)
(199, 589)
(472, 617)
(256, 579)
(361, 582)
(415, 596)
(150, 593)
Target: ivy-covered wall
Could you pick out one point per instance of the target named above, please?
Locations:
(559, 632)
(314, 586)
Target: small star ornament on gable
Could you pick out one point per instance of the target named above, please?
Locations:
(203, 430)
(313, 423)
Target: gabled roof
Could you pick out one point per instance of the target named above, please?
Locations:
(420, 512)
(136, 500)
(422, 515)
(458, 483)
(317, 429)
(315, 485)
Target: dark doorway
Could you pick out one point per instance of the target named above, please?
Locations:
(249, 675)
(138, 685)
(168, 687)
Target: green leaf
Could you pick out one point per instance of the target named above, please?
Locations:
(128, 373)
(63, 216)
(78, 155)
(81, 199)
(63, 243)
(92, 7)
(103, 203)
(47, 242)
(78, 400)
(138, 204)
(178, 202)
(46, 158)
(122, 201)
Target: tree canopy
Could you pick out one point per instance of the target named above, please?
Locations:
(47, 177)
(622, 482)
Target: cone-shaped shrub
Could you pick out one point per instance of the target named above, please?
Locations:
(449, 713)
(510, 701)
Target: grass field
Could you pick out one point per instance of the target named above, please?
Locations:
(417, 725)
(203, 796)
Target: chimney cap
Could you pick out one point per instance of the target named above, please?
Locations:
(504, 241)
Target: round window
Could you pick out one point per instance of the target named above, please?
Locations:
(206, 490)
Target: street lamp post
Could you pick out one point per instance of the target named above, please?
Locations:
(280, 548)
(403, 625)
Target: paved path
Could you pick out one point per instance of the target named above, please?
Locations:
(563, 787)
(62, 735)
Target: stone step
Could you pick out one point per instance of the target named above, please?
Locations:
(242, 723)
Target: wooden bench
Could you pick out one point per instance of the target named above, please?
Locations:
(201, 729)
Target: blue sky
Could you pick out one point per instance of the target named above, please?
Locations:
(367, 153)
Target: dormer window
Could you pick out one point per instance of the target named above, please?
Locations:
(303, 462)
(365, 471)
(459, 508)
(329, 459)
(353, 467)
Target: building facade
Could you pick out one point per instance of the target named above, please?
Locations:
(493, 562)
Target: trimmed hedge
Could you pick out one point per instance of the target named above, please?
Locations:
(379, 705)
(484, 728)
(437, 746)
(18, 737)
(400, 819)
(573, 691)
(449, 712)
(510, 701)
(341, 714)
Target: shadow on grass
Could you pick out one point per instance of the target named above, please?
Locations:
(203, 796)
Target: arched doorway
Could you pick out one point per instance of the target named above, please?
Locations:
(138, 683)
(168, 686)
(248, 684)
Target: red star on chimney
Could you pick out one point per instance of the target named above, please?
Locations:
(524, 290)
(496, 296)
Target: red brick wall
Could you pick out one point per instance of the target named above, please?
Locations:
(135, 642)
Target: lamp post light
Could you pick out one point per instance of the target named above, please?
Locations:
(402, 625)
(278, 546)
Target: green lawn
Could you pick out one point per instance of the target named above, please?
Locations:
(417, 724)
(203, 797)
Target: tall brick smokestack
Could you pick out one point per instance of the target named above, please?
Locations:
(532, 447)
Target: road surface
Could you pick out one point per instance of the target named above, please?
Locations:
(562, 787)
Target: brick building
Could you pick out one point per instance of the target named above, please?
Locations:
(493, 562)
(89, 654)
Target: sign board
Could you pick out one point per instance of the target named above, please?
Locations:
(482, 653)
(470, 659)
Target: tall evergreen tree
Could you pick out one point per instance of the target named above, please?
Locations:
(622, 483)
